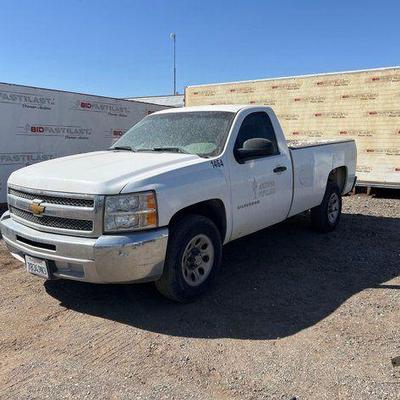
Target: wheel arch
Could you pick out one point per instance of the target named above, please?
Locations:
(339, 176)
(214, 209)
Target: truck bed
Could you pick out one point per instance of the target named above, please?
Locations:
(300, 144)
(312, 160)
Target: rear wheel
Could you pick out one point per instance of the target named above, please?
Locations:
(326, 216)
(193, 259)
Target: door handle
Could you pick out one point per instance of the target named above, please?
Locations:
(280, 169)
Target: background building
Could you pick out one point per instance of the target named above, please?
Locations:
(167, 100)
(364, 105)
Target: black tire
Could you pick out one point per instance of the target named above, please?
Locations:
(172, 283)
(320, 219)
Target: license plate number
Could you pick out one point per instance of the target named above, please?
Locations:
(36, 266)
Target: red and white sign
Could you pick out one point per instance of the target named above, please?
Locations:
(39, 124)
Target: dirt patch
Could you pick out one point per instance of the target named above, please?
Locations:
(294, 314)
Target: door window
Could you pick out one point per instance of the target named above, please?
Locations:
(257, 125)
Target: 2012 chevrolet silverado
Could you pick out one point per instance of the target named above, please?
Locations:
(161, 202)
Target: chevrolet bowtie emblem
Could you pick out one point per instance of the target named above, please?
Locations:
(36, 208)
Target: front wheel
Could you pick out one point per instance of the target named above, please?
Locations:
(326, 216)
(193, 259)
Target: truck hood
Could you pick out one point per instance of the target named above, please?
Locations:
(102, 172)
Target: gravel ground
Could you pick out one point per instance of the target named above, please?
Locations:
(294, 315)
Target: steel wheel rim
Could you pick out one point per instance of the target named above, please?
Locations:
(197, 260)
(333, 208)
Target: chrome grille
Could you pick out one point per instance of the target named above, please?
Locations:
(54, 222)
(63, 213)
(65, 201)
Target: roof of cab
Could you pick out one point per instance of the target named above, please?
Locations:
(223, 107)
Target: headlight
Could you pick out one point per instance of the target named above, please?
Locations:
(129, 212)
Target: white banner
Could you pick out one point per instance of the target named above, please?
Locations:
(40, 124)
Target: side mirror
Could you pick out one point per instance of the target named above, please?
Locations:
(254, 148)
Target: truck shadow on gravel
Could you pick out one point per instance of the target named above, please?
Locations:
(273, 284)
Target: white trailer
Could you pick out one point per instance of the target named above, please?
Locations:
(39, 124)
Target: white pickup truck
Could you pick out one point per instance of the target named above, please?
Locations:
(160, 203)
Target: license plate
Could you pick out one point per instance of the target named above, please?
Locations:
(36, 266)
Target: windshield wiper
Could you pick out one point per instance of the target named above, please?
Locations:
(171, 149)
(128, 148)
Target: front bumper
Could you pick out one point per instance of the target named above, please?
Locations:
(123, 258)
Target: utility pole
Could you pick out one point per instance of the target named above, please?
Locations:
(173, 37)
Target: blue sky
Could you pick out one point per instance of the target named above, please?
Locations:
(122, 48)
